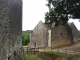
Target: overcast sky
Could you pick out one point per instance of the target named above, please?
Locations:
(34, 11)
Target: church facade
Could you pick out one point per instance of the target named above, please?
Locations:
(44, 35)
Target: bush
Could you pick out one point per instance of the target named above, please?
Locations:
(70, 57)
(15, 53)
(57, 54)
(49, 53)
(25, 39)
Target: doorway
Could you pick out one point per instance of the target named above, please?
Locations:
(72, 38)
(35, 44)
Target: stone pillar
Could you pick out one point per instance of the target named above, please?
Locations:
(11, 29)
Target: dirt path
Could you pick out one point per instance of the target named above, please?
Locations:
(73, 47)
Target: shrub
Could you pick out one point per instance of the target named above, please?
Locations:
(15, 53)
(49, 53)
(52, 54)
(56, 55)
(45, 52)
(70, 57)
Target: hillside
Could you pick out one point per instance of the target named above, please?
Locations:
(26, 32)
(26, 37)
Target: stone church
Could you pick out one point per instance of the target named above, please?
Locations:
(44, 35)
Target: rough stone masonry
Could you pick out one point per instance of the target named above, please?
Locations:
(11, 30)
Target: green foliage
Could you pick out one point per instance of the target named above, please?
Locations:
(26, 37)
(52, 54)
(25, 40)
(26, 32)
(57, 54)
(15, 53)
(62, 9)
(70, 57)
(49, 53)
(32, 57)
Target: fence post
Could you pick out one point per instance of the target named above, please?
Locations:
(58, 50)
(27, 50)
(38, 50)
(74, 54)
(30, 50)
(51, 48)
(44, 48)
(65, 51)
(34, 51)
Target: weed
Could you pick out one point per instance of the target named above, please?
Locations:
(56, 55)
(70, 57)
(49, 53)
(15, 53)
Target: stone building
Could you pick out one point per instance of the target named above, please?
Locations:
(39, 35)
(75, 32)
(44, 35)
(61, 35)
(11, 30)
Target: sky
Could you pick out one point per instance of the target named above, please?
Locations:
(34, 11)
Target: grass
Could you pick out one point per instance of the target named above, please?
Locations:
(56, 54)
(32, 57)
(52, 54)
(49, 53)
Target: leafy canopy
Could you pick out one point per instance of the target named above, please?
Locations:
(62, 9)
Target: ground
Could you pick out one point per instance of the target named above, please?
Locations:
(73, 47)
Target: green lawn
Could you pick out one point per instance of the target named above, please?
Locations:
(32, 57)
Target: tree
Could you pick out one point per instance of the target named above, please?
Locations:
(62, 9)
(25, 39)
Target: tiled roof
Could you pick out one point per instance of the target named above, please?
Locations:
(47, 26)
(69, 23)
(53, 24)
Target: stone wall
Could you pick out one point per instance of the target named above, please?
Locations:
(75, 32)
(11, 29)
(61, 35)
(39, 36)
